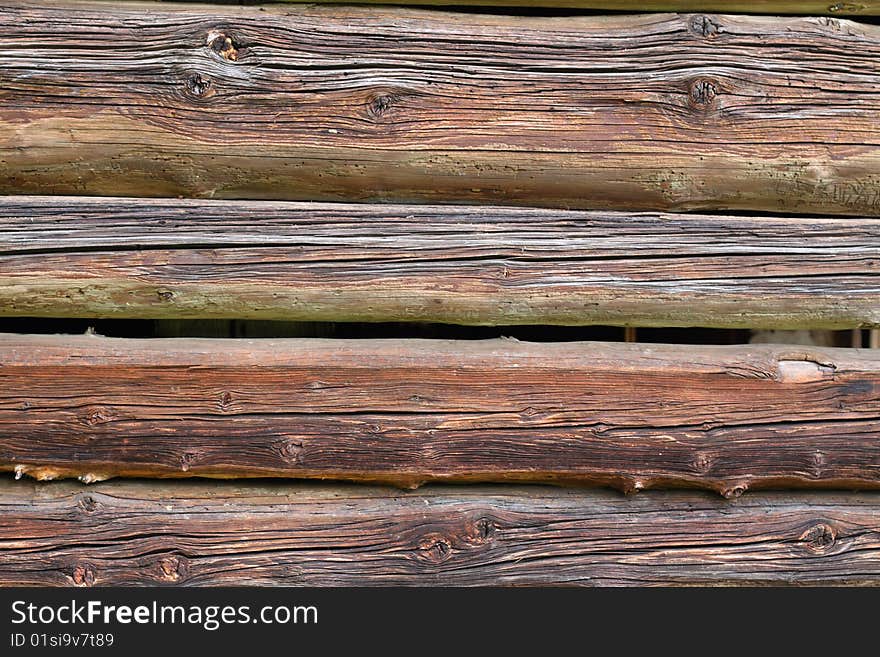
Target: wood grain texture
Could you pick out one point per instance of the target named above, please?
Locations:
(95, 257)
(650, 111)
(192, 534)
(627, 415)
(810, 7)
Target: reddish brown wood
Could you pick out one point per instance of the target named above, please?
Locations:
(195, 534)
(408, 411)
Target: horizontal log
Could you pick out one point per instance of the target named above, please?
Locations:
(810, 7)
(332, 103)
(97, 257)
(187, 533)
(628, 415)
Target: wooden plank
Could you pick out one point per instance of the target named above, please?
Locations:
(810, 7)
(648, 111)
(136, 258)
(187, 533)
(628, 415)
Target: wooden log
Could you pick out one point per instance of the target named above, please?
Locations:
(667, 112)
(188, 533)
(810, 7)
(93, 257)
(628, 415)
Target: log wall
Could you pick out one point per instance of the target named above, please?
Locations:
(330, 163)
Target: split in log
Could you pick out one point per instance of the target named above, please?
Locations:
(661, 112)
(82, 257)
(627, 415)
(189, 533)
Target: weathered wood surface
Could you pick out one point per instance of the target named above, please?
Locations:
(810, 7)
(367, 103)
(628, 415)
(188, 533)
(95, 257)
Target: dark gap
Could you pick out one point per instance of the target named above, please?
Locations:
(285, 486)
(236, 328)
(117, 328)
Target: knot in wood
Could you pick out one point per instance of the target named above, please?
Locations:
(529, 411)
(173, 568)
(702, 92)
(225, 401)
(734, 491)
(223, 45)
(291, 450)
(702, 462)
(83, 575)
(88, 504)
(165, 295)
(97, 416)
(704, 26)
(819, 538)
(481, 531)
(435, 550)
(380, 104)
(198, 86)
(186, 460)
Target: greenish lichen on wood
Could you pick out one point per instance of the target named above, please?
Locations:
(313, 262)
